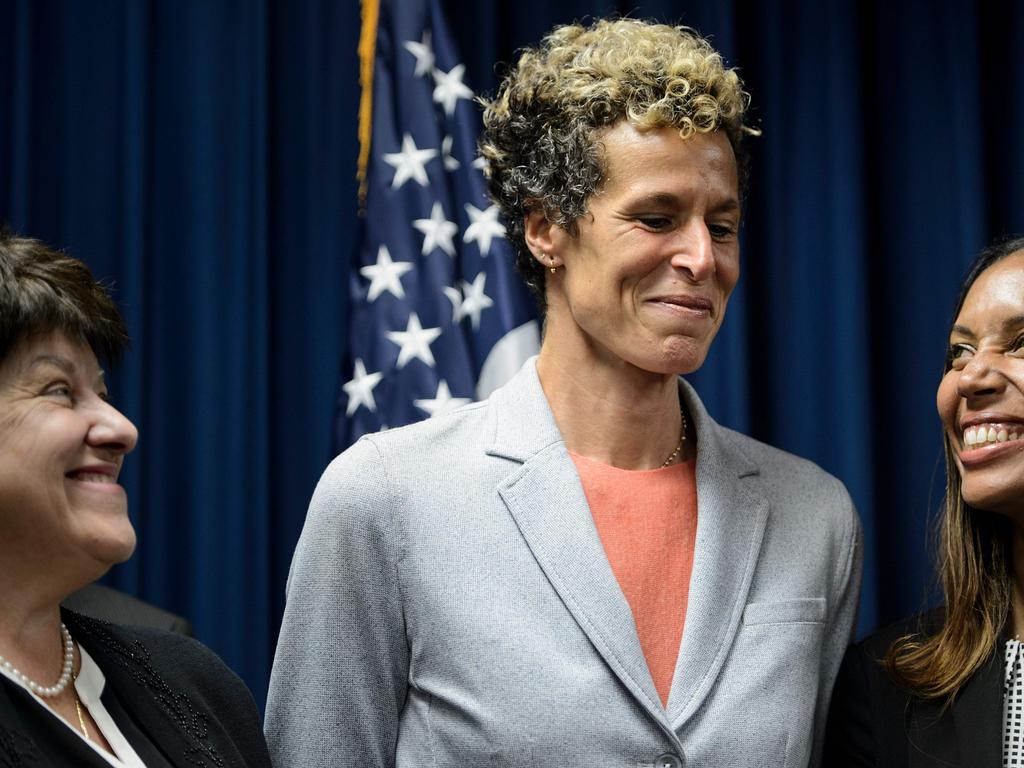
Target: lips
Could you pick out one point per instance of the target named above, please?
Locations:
(685, 301)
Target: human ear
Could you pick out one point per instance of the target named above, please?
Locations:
(542, 237)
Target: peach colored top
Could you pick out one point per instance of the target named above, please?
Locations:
(647, 521)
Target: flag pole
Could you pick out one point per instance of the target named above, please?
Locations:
(367, 48)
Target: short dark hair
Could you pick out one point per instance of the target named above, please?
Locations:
(43, 290)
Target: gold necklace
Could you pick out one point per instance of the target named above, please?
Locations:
(679, 445)
(78, 709)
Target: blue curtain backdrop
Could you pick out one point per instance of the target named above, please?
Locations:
(202, 157)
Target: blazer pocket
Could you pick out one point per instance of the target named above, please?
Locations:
(799, 610)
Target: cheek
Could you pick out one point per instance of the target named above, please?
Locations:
(947, 400)
(728, 268)
(601, 292)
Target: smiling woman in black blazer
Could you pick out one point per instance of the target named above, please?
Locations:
(76, 691)
(946, 688)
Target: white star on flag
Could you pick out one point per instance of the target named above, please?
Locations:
(476, 300)
(424, 53)
(483, 227)
(360, 388)
(409, 163)
(450, 163)
(450, 88)
(470, 301)
(455, 297)
(421, 168)
(437, 231)
(442, 403)
(414, 341)
(385, 275)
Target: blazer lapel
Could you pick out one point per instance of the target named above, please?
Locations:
(978, 714)
(546, 500)
(731, 518)
(967, 733)
(15, 747)
(124, 668)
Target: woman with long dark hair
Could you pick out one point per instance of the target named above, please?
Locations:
(945, 687)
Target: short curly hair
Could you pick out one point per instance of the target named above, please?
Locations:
(540, 138)
(43, 290)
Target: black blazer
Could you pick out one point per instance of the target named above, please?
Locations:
(193, 710)
(108, 604)
(873, 722)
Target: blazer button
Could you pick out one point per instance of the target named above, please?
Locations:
(668, 760)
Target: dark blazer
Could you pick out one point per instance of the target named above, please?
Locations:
(179, 694)
(874, 722)
(108, 604)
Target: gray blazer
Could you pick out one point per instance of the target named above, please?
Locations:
(450, 604)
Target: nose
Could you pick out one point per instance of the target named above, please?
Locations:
(980, 377)
(111, 430)
(693, 251)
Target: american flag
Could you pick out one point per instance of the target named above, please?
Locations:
(439, 315)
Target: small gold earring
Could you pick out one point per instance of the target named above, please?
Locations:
(553, 267)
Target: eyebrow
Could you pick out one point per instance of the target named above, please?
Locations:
(1011, 322)
(55, 360)
(63, 363)
(667, 198)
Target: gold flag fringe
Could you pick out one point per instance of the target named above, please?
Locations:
(367, 49)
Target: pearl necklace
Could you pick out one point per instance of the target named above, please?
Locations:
(48, 691)
(679, 446)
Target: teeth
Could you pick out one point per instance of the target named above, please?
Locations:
(984, 434)
(93, 477)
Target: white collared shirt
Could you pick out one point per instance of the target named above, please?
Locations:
(89, 686)
(1013, 704)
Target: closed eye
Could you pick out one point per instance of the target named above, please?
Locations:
(722, 231)
(59, 389)
(655, 223)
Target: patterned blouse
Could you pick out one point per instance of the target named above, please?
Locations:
(1013, 705)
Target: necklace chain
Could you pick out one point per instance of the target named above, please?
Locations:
(47, 691)
(682, 439)
(78, 709)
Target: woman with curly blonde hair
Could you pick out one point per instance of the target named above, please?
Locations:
(585, 567)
